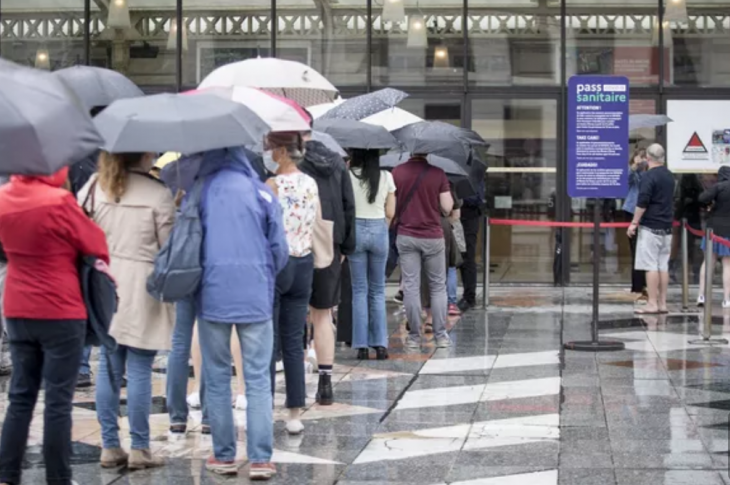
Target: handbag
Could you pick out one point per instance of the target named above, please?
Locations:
(393, 231)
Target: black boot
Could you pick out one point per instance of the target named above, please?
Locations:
(363, 354)
(325, 395)
(381, 353)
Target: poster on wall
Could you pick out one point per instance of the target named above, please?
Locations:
(698, 138)
(598, 136)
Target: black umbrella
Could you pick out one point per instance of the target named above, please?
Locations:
(96, 86)
(356, 134)
(463, 183)
(439, 138)
(43, 126)
(361, 107)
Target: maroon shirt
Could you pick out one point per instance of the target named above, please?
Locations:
(422, 216)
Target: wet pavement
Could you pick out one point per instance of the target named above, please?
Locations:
(505, 406)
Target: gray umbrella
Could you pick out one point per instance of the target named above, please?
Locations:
(647, 121)
(178, 123)
(329, 142)
(356, 134)
(97, 86)
(43, 126)
(439, 138)
(360, 107)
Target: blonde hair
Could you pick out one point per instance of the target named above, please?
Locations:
(113, 170)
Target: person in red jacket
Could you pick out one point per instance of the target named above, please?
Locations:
(43, 232)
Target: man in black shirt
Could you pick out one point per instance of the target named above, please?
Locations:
(653, 220)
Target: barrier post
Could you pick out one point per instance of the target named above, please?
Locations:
(707, 320)
(487, 263)
(685, 266)
(595, 345)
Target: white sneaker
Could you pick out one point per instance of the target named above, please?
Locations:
(726, 303)
(194, 400)
(294, 426)
(241, 402)
(279, 366)
(701, 301)
(312, 360)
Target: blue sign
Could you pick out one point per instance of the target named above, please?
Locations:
(598, 136)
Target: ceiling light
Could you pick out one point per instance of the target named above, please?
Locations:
(118, 15)
(393, 11)
(417, 32)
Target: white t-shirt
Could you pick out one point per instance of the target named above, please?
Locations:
(363, 208)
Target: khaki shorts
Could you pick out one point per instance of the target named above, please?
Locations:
(652, 251)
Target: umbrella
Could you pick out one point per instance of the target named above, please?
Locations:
(439, 138)
(329, 142)
(96, 86)
(361, 107)
(647, 121)
(319, 110)
(43, 126)
(290, 79)
(450, 167)
(281, 114)
(356, 134)
(392, 119)
(178, 123)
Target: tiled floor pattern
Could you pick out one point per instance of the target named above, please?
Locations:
(504, 406)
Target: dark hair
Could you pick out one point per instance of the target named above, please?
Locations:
(291, 140)
(368, 161)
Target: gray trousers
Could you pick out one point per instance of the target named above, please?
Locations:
(429, 254)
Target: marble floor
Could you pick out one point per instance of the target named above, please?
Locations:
(505, 406)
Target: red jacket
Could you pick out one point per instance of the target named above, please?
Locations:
(44, 232)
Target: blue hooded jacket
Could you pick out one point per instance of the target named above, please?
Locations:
(244, 244)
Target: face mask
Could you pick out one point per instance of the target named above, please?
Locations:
(269, 162)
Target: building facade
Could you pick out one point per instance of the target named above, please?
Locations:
(499, 67)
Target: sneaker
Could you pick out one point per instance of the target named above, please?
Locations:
(465, 306)
(222, 467)
(325, 394)
(177, 432)
(205, 429)
(294, 426)
(279, 366)
(241, 403)
(443, 342)
(454, 310)
(398, 298)
(142, 459)
(194, 400)
(412, 343)
(84, 381)
(261, 471)
(113, 457)
(701, 301)
(312, 360)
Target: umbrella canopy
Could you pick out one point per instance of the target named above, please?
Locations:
(450, 167)
(178, 123)
(360, 107)
(439, 138)
(392, 119)
(647, 121)
(319, 110)
(96, 86)
(290, 79)
(281, 114)
(356, 134)
(43, 126)
(329, 142)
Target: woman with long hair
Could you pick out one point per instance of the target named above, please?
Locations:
(374, 207)
(299, 199)
(136, 211)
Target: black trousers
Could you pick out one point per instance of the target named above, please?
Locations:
(48, 352)
(470, 218)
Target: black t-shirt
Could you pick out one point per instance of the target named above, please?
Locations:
(656, 194)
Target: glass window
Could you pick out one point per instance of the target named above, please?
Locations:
(446, 110)
(619, 37)
(514, 42)
(47, 34)
(416, 44)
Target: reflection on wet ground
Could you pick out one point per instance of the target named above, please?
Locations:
(505, 406)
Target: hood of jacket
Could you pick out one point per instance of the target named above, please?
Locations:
(56, 180)
(724, 174)
(321, 159)
(182, 173)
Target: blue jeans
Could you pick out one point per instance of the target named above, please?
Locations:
(291, 301)
(178, 370)
(452, 286)
(257, 342)
(85, 368)
(45, 353)
(138, 363)
(367, 272)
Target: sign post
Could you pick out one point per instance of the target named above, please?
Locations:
(598, 163)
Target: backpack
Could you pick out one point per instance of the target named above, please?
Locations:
(178, 267)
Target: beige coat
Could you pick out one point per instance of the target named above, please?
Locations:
(136, 227)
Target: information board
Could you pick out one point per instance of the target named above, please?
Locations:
(598, 136)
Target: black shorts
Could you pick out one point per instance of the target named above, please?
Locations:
(326, 284)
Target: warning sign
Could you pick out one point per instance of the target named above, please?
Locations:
(699, 137)
(695, 149)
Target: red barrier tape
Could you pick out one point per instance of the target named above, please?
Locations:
(721, 240)
(518, 222)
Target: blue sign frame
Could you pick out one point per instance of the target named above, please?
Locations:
(598, 136)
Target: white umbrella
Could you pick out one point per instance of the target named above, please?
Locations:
(318, 110)
(290, 79)
(280, 114)
(392, 119)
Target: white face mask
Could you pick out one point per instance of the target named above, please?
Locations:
(269, 162)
